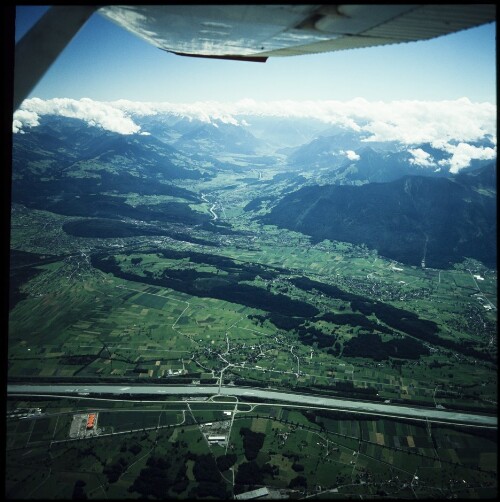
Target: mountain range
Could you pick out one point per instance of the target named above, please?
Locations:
(68, 167)
(335, 186)
(414, 219)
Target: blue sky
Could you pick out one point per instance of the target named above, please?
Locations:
(104, 62)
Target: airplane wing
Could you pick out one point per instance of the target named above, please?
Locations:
(245, 32)
(262, 31)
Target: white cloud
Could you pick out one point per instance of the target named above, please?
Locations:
(408, 122)
(444, 124)
(24, 118)
(208, 111)
(463, 153)
(416, 122)
(352, 155)
(94, 113)
(421, 158)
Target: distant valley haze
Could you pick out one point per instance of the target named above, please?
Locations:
(318, 143)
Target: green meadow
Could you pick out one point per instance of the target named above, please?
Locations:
(332, 452)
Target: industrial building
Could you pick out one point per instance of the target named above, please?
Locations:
(91, 421)
(216, 439)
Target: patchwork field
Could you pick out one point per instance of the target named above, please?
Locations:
(313, 452)
(235, 302)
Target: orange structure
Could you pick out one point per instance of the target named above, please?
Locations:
(91, 421)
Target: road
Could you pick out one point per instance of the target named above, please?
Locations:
(277, 397)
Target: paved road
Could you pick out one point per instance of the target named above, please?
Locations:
(276, 396)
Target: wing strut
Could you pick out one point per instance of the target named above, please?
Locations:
(39, 48)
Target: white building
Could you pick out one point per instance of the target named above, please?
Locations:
(216, 439)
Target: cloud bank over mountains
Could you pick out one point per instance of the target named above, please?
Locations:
(455, 127)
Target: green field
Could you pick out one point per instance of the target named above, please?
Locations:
(332, 452)
(147, 310)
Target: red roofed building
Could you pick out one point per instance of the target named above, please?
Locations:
(91, 421)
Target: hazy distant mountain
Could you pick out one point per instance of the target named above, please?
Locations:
(347, 158)
(214, 138)
(406, 219)
(380, 166)
(161, 127)
(284, 132)
(325, 151)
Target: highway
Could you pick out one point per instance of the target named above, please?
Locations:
(283, 398)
